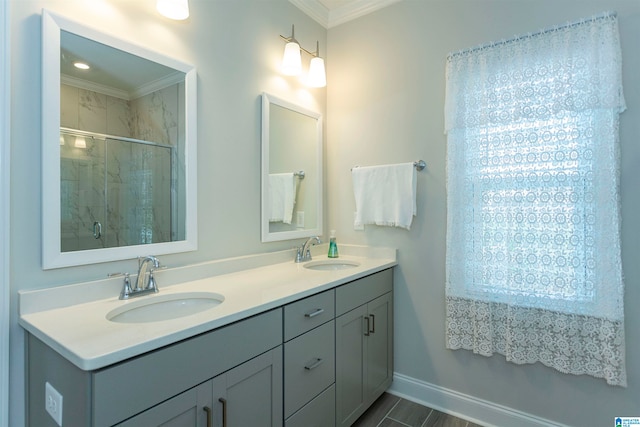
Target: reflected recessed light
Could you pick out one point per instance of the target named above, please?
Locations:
(81, 65)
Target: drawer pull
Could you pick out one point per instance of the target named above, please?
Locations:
(373, 324)
(224, 411)
(209, 416)
(314, 313)
(366, 330)
(314, 365)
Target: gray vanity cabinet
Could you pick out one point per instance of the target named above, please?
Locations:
(317, 362)
(364, 344)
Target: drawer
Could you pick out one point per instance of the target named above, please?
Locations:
(320, 412)
(304, 315)
(309, 366)
(361, 291)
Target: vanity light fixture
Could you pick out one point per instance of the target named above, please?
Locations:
(292, 62)
(173, 9)
(80, 142)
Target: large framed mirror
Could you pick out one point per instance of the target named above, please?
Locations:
(118, 148)
(291, 170)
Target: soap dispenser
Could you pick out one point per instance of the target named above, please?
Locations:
(333, 247)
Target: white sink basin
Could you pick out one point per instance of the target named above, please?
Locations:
(164, 307)
(331, 264)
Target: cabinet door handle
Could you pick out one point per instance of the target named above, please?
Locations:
(224, 411)
(314, 365)
(314, 313)
(366, 330)
(373, 324)
(209, 416)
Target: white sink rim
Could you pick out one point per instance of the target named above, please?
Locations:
(160, 307)
(331, 264)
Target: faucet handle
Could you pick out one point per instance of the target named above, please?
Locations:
(126, 288)
(151, 284)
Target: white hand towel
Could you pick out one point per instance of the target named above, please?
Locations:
(385, 195)
(282, 197)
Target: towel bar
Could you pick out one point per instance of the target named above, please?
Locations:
(419, 165)
(299, 174)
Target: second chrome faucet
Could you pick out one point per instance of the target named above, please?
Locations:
(303, 253)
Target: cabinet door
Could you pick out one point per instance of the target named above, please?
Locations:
(350, 368)
(364, 357)
(184, 410)
(250, 394)
(379, 364)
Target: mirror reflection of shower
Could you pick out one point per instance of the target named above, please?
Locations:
(115, 191)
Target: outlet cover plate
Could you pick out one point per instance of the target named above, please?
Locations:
(53, 403)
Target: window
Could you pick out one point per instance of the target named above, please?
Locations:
(533, 247)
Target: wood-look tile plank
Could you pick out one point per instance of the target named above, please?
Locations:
(378, 411)
(439, 419)
(388, 422)
(409, 413)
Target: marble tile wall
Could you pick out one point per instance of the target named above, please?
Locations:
(125, 186)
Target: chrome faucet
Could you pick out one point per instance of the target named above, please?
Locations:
(140, 288)
(143, 264)
(303, 253)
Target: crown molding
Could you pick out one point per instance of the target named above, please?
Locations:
(334, 17)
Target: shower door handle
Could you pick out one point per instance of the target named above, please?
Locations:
(97, 230)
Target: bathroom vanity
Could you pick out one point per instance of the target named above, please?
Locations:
(298, 346)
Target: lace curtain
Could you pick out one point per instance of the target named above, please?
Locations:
(533, 266)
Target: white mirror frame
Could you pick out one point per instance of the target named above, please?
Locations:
(267, 236)
(52, 255)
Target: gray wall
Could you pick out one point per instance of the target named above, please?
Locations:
(385, 104)
(236, 48)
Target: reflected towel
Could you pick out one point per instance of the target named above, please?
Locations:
(282, 193)
(385, 195)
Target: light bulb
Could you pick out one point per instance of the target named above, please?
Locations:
(291, 61)
(317, 76)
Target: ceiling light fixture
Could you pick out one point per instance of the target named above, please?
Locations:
(292, 61)
(173, 9)
(81, 65)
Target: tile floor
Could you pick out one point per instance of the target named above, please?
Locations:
(392, 411)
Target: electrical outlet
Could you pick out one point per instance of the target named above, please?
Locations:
(53, 403)
(300, 219)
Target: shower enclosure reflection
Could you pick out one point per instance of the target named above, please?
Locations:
(115, 192)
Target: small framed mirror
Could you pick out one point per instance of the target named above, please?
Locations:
(291, 170)
(118, 148)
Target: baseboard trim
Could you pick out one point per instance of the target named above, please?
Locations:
(462, 405)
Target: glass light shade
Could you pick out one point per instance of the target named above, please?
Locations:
(292, 61)
(173, 9)
(317, 76)
(80, 142)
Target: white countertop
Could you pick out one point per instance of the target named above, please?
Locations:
(81, 333)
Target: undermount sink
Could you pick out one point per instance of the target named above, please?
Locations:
(331, 264)
(164, 307)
